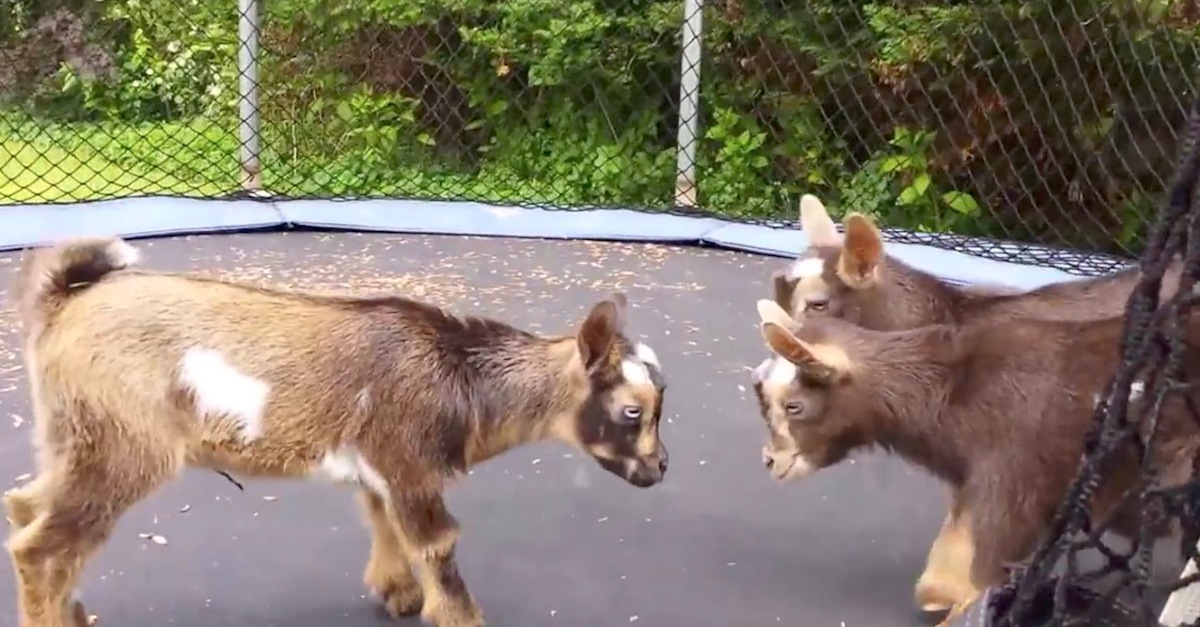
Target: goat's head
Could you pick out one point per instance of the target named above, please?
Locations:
(797, 388)
(830, 278)
(617, 422)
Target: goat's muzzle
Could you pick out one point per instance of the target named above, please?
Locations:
(786, 465)
(641, 472)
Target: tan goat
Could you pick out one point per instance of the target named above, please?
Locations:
(850, 277)
(136, 375)
(998, 410)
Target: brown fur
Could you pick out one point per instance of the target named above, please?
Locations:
(999, 410)
(393, 395)
(858, 282)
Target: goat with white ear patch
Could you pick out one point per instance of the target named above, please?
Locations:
(145, 374)
(970, 403)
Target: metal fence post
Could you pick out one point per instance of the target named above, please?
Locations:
(248, 126)
(689, 103)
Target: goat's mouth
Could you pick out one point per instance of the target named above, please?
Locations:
(635, 473)
(787, 466)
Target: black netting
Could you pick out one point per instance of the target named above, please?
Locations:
(1055, 587)
(1009, 121)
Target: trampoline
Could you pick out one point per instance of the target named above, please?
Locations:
(548, 537)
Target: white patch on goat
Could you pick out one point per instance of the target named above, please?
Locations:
(801, 468)
(759, 374)
(362, 400)
(346, 465)
(635, 372)
(220, 389)
(122, 255)
(810, 268)
(647, 354)
(782, 372)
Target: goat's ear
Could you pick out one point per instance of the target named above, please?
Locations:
(597, 333)
(784, 289)
(619, 299)
(824, 362)
(862, 252)
(816, 223)
(771, 311)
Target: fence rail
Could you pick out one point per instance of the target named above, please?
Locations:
(1051, 122)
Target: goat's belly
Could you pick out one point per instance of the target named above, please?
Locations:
(217, 450)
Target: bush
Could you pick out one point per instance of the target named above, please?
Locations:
(1051, 121)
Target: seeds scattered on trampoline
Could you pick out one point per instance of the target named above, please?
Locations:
(153, 537)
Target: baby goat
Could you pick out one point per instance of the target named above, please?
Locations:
(998, 410)
(136, 375)
(850, 277)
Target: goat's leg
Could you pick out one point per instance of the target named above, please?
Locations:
(21, 505)
(77, 503)
(22, 511)
(1004, 529)
(958, 609)
(947, 576)
(388, 573)
(429, 535)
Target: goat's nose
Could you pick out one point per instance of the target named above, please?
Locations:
(662, 465)
(768, 461)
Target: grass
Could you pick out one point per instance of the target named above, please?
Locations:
(31, 173)
(56, 162)
(59, 163)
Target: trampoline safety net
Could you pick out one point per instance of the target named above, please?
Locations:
(1028, 132)
(1052, 587)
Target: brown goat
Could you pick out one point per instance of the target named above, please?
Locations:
(997, 410)
(850, 277)
(136, 375)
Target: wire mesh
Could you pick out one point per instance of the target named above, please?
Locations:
(1157, 357)
(1028, 122)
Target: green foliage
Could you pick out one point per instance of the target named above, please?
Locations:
(995, 118)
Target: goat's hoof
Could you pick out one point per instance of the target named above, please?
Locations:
(399, 601)
(454, 615)
(80, 617)
(936, 597)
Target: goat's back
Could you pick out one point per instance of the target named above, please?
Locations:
(1034, 386)
(152, 349)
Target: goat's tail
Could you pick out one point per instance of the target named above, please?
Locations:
(50, 275)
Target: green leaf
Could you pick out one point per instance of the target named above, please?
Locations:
(961, 202)
(496, 107)
(909, 196)
(892, 164)
(921, 183)
(344, 111)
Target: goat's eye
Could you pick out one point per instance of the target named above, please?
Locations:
(632, 413)
(794, 408)
(818, 305)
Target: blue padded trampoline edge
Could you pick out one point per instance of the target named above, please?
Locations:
(147, 217)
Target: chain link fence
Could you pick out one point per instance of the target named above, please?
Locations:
(1051, 122)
